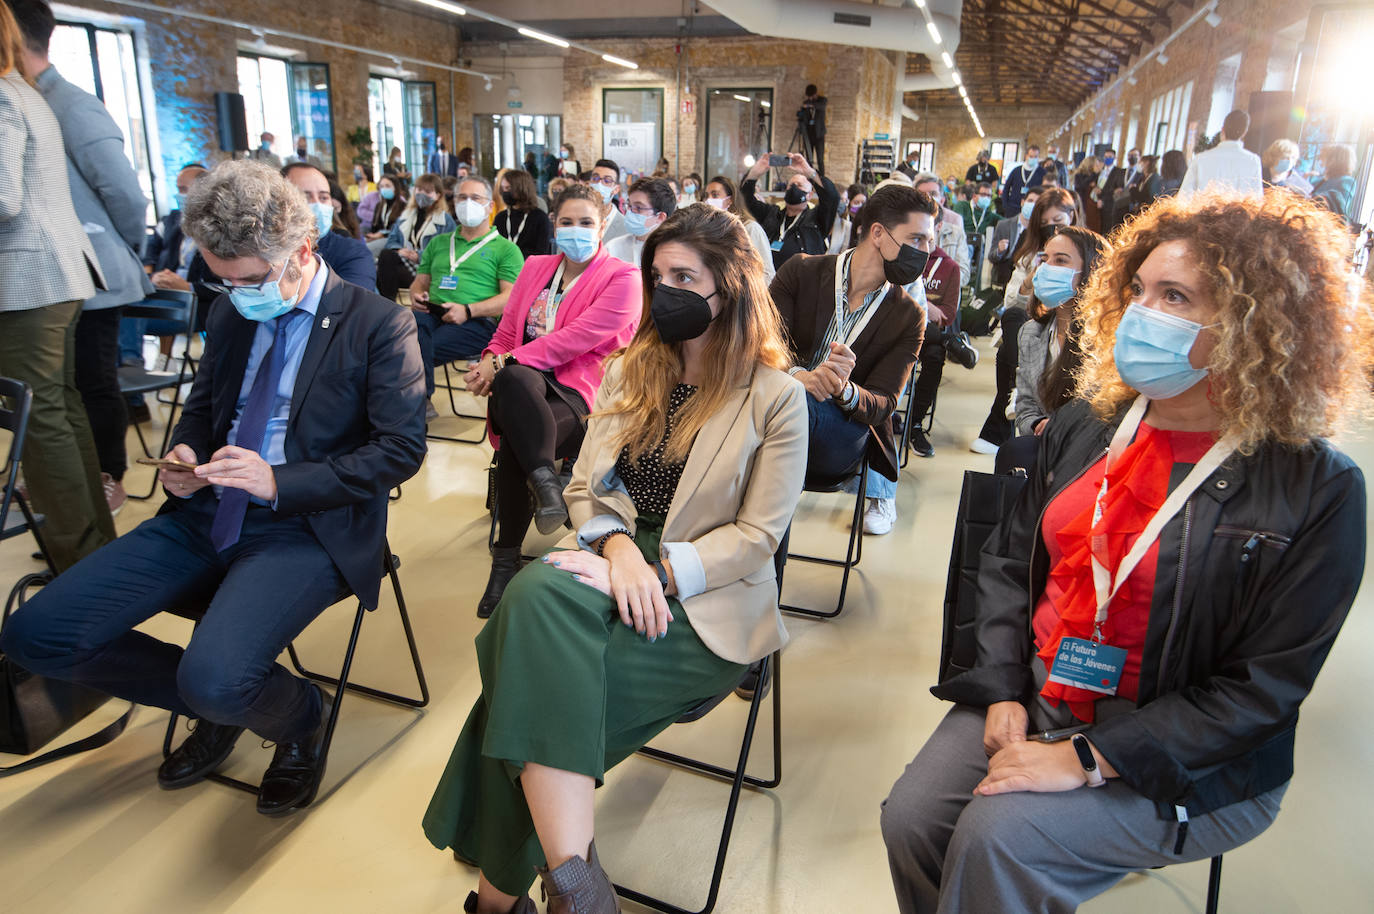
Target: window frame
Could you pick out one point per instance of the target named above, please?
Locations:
(662, 91)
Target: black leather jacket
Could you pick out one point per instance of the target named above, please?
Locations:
(1254, 580)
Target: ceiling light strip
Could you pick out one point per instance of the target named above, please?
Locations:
(531, 33)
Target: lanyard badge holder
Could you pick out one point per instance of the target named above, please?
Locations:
(842, 263)
(1088, 663)
(449, 283)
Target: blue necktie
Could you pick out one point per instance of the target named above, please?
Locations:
(233, 503)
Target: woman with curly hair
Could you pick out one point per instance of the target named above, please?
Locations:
(684, 486)
(1170, 582)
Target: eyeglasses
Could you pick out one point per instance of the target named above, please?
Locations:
(641, 210)
(475, 198)
(227, 287)
(603, 179)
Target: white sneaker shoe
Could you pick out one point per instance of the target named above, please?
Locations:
(1011, 408)
(983, 446)
(880, 516)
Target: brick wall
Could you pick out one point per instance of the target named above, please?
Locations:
(191, 60)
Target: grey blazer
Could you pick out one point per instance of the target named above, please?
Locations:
(104, 188)
(45, 258)
(1034, 358)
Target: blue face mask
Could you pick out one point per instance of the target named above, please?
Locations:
(387, 193)
(607, 191)
(1054, 285)
(577, 242)
(638, 225)
(1026, 209)
(324, 216)
(1152, 352)
(1109, 161)
(1283, 166)
(181, 201)
(983, 202)
(263, 304)
(1032, 161)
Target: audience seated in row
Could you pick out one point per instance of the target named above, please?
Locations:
(426, 215)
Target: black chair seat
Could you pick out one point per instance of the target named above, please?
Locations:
(135, 379)
(16, 524)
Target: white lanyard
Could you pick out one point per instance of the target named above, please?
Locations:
(782, 236)
(934, 265)
(841, 301)
(453, 264)
(554, 297)
(515, 234)
(1104, 583)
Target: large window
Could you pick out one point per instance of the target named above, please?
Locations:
(101, 61)
(632, 129)
(739, 123)
(1168, 120)
(925, 154)
(289, 100)
(507, 140)
(1003, 154)
(1223, 93)
(403, 114)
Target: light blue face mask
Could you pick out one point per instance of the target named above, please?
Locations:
(1054, 285)
(577, 242)
(1283, 166)
(1026, 209)
(266, 303)
(181, 201)
(607, 191)
(324, 217)
(387, 193)
(637, 224)
(1152, 352)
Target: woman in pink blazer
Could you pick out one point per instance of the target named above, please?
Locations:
(566, 313)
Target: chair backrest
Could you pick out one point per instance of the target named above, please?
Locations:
(984, 500)
(16, 399)
(170, 305)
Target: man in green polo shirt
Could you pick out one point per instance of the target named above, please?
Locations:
(462, 282)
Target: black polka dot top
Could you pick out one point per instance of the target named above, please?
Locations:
(652, 481)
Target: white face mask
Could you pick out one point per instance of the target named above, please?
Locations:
(717, 202)
(470, 213)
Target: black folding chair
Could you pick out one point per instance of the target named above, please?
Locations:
(178, 308)
(16, 401)
(853, 551)
(737, 776)
(390, 565)
(984, 500)
(449, 386)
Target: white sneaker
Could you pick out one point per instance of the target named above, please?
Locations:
(983, 446)
(1011, 408)
(880, 516)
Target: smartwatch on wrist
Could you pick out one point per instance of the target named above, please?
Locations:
(467, 309)
(1085, 758)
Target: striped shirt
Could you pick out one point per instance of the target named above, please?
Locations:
(845, 324)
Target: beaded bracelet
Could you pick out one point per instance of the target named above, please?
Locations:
(601, 543)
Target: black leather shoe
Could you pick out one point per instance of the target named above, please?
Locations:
(505, 562)
(921, 444)
(550, 511)
(201, 753)
(750, 683)
(293, 778)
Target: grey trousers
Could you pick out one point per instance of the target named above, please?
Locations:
(950, 851)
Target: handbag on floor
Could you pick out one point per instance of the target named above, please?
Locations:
(34, 710)
(983, 501)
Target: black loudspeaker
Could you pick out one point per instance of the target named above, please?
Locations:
(233, 123)
(1270, 119)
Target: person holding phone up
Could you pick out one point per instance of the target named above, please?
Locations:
(463, 281)
(795, 227)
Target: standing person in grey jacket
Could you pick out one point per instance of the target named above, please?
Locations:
(47, 267)
(114, 213)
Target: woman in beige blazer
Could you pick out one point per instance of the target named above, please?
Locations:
(685, 485)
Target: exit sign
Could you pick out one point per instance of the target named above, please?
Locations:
(515, 104)
(882, 136)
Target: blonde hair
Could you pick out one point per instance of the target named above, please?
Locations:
(1292, 354)
(1279, 149)
(11, 45)
(746, 334)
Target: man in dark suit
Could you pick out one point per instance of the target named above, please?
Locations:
(1110, 181)
(442, 163)
(307, 408)
(345, 255)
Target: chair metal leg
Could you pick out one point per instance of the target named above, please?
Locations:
(904, 453)
(166, 433)
(36, 529)
(453, 405)
(853, 553)
(1214, 885)
(738, 780)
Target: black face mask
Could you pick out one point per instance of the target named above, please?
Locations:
(507, 198)
(679, 314)
(794, 196)
(300, 151)
(906, 267)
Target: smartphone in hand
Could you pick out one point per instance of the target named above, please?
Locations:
(166, 462)
(435, 309)
(779, 161)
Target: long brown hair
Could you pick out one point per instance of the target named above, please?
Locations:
(11, 45)
(1034, 237)
(521, 187)
(1060, 379)
(745, 335)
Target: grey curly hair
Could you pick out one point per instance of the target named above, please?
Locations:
(246, 209)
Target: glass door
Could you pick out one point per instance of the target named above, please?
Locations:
(506, 140)
(739, 125)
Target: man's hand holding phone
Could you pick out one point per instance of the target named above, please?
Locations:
(179, 477)
(239, 468)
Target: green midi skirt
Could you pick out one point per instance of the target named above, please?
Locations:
(565, 684)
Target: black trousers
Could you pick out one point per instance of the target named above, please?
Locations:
(394, 273)
(97, 378)
(997, 428)
(537, 425)
(932, 359)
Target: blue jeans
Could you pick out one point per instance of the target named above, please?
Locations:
(441, 342)
(262, 591)
(131, 333)
(836, 445)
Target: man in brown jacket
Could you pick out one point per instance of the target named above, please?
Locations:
(855, 332)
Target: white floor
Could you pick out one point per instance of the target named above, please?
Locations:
(94, 833)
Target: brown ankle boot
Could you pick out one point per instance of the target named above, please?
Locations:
(525, 905)
(580, 887)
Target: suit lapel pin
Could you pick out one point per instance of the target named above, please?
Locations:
(324, 324)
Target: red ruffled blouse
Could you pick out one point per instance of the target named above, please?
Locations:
(1137, 486)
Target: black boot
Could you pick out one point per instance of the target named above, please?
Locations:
(201, 753)
(293, 778)
(550, 511)
(505, 562)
